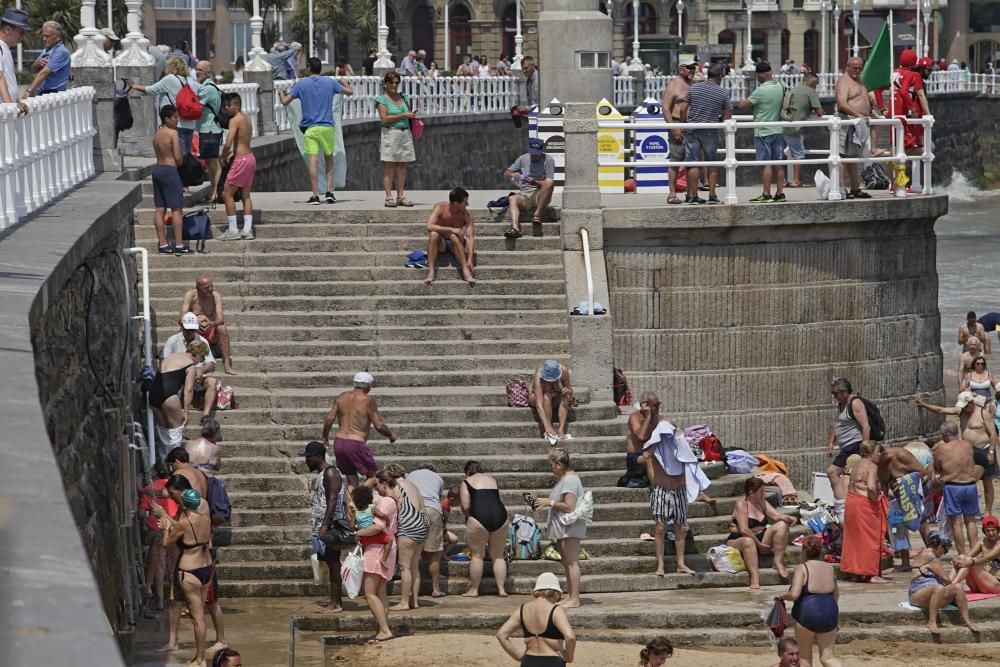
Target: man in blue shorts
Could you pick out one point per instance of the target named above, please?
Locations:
(953, 465)
(769, 142)
(707, 102)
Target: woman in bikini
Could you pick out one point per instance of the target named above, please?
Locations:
(931, 588)
(980, 569)
(758, 529)
(192, 533)
(485, 527)
(411, 533)
(549, 640)
(979, 380)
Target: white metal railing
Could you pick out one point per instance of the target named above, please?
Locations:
(45, 152)
(831, 159)
(248, 94)
(585, 243)
(280, 114)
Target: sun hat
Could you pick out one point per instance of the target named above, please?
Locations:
(190, 321)
(547, 581)
(551, 370)
(364, 379)
(191, 499)
(964, 399)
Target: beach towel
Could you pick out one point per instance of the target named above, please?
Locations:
(910, 496)
(675, 457)
(910, 607)
(976, 597)
(865, 523)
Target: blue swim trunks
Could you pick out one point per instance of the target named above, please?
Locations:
(961, 499)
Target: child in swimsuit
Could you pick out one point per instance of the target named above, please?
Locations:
(364, 517)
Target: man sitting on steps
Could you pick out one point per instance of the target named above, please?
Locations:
(450, 229)
(550, 395)
(355, 412)
(205, 385)
(206, 304)
(534, 172)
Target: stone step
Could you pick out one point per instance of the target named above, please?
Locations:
(414, 319)
(259, 291)
(394, 364)
(252, 275)
(614, 546)
(241, 334)
(336, 217)
(310, 379)
(433, 450)
(224, 255)
(468, 300)
(195, 195)
(282, 553)
(401, 349)
(265, 227)
(400, 245)
(387, 397)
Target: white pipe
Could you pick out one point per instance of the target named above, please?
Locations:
(585, 237)
(312, 38)
(194, 33)
(147, 343)
(20, 57)
(111, 16)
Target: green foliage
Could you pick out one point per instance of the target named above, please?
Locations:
(67, 14)
(348, 18)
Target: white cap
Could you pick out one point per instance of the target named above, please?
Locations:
(964, 399)
(364, 379)
(190, 321)
(296, 45)
(547, 582)
(109, 33)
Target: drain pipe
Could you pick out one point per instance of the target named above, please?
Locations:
(147, 344)
(585, 237)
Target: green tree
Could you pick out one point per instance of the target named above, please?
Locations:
(67, 14)
(269, 34)
(342, 18)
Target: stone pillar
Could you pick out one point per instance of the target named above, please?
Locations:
(265, 98)
(145, 114)
(566, 30)
(106, 156)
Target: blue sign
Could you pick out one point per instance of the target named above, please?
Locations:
(654, 144)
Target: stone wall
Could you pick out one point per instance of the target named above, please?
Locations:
(741, 319)
(66, 401)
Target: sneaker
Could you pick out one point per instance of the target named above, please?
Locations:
(713, 199)
(764, 198)
(696, 200)
(166, 250)
(247, 234)
(314, 200)
(183, 250)
(330, 199)
(778, 198)
(230, 235)
(859, 194)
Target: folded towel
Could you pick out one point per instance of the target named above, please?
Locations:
(910, 607)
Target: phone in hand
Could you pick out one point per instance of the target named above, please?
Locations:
(529, 499)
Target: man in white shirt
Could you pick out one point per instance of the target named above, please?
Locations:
(13, 25)
(205, 384)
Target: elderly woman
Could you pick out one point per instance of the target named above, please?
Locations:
(192, 533)
(379, 570)
(865, 518)
(979, 380)
(549, 640)
(176, 74)
(561, 503)
(981, 567)
(411, 533)
(172, 391)
(396, 148)
(485, 527)
(931, 588)
(815, 596)
(759, 529)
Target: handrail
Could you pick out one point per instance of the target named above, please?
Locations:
(585, 238)
(147, 333)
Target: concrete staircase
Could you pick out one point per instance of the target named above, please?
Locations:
(321, 294)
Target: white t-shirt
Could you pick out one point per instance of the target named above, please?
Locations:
(177, 344)
(9, 75)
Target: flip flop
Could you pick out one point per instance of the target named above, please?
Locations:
(673, 200)
(439, 594)
(376, 640)
(535, 220)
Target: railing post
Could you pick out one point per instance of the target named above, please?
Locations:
(834, 159)
(928, 163)
(731, 162)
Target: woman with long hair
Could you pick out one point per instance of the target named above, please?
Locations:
(549, 640)
(561, 503)
(815, 596)
(395, 111)
(758, 528)
(485, 527)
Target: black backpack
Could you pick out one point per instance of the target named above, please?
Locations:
(874, 177)
(122, 112)
(222, 116)
(876, 425)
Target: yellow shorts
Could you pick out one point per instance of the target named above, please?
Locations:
(319, 139)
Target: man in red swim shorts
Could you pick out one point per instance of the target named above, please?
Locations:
(242, 166)
(355, 412)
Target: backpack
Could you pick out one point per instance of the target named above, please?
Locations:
(191, 171)
(517, 393)
(222, 116)
(787, 106)
(874, 177)
(218, 499)
(122, 111)
(501, 203)
(196, 228)
(524, 538)
(622, 392)
(876, 425)
(711, 448)
(189, 107)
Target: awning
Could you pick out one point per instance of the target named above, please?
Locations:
(870, 27)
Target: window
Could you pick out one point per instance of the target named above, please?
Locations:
(200, 5)
(647, 19)
(593, 60)
(461, 33)
(786, 37)
(728, 38)
(810, 49)
(241, 41)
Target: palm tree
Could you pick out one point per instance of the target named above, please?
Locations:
(67, 14)
(342, 18)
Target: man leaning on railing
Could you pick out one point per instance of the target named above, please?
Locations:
(13, 25)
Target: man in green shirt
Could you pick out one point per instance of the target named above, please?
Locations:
(805, 102)
(768, 141)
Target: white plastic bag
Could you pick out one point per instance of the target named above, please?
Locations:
(352, 572)
(314, 561)
(584, 510)
(726, 559)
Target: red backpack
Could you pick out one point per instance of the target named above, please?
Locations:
(711, 448)
(189, 107)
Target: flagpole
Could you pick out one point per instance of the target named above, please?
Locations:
(892, 96)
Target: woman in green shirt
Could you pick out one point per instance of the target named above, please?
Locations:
(396, 148)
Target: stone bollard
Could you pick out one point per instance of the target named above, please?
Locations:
(138, 141)
(106, 156)
(265, 99)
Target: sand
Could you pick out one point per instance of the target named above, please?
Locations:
(457, 649)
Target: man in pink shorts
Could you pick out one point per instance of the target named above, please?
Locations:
(242, 165)
(355, 413)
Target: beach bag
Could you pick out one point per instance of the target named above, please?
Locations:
(218, 499)
(122, 111)
(711, 448)
(767, 464)
(195, 228)
(517, 393)
(787, 107)
(694, 434)
(189, 107)
(875, 422)
(622, 391)
(225, 398)
(340, 535)
(552, 552)
(501, 203)
(524, 538)
(874, 177)
(777, 618)
(738, 461)
(726, 559)
(584, 510)
(352, 572)
(416, 128)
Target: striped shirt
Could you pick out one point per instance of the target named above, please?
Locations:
(707, 101)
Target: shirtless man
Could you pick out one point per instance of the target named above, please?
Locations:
(852, 102)
(972, 328)
(450, 229)
(179, 463)
(976, 423)
(673, 106)
(973, 345)
(206, 303)
(355, 413)
(789, 655)
(953, 466)
(242, 167)
(168, 191)
(205, 453)
(896, 465)
(640, 427)
(551, 393)
(669, 504)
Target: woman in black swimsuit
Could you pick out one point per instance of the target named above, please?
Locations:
(485, 527)
(175, 378)
(760, 529)
(554, 645)
(192, 533)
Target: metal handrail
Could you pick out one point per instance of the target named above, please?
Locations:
(585, 238)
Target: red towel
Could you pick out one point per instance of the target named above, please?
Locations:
(865, 523)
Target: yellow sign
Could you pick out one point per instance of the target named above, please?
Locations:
(610, 146)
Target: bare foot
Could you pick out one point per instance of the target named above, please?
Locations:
(659, 572)
(879, 580)
(503, 594)
(167, 648)
(469, 278)
(782, 571)
(430, 278)
(330, 609)
(216, 647)
(754, 585)
(230, 371)
(972, 627)
(470, 594)
(684, 569)
(933, 627)
(402, 606)
(569, 604)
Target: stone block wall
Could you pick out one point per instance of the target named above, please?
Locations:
(743, 328)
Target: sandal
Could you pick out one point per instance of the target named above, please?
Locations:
(512, 233)
(673, 200)
(535, 220)
(403, 201)
(390, 202)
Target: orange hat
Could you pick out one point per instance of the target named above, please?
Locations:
(908, 58)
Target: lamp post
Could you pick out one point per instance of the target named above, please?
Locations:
(20, 57)
(194, 35)
(384, 60)
(748, 60)
(312, 28)
(928, 12)
(680, 20)
(824, 53)
(258, 63)
(518, 38)
(856, 10)
(447, 41)
(836, 36)
(636, 65)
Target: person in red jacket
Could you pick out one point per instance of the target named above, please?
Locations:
(908, 99)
